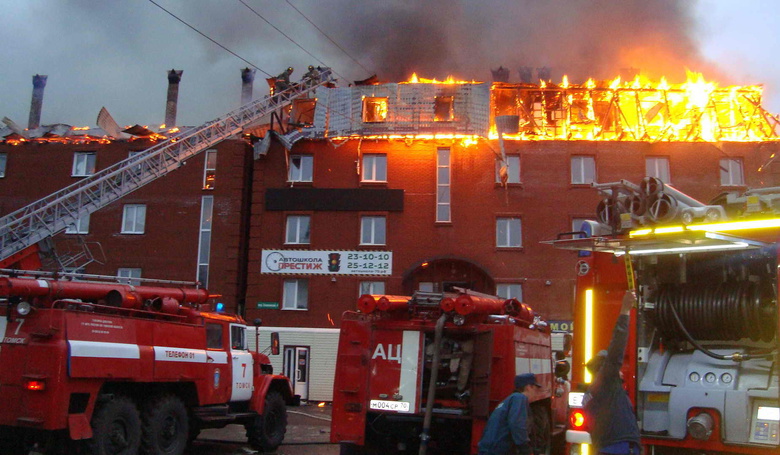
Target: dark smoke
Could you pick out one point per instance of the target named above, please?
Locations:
(465, 38)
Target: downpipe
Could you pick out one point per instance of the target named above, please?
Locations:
(425, 436)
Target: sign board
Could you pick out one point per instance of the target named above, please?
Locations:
(301, 262)
(561, 326)
(268, 305)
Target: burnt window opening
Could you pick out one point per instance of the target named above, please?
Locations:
(443, 109)
(302, 113)
(505, 102)
(374, 109)
(210, 170)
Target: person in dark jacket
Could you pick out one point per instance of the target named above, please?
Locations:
(613, 427)
(507, 427)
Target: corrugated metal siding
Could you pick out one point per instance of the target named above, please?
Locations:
(323, 345)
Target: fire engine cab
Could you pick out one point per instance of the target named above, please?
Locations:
(702, 364)
(423, 373)
(110, 368)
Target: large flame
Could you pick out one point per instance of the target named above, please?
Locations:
(450, 80)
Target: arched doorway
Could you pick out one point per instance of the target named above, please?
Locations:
(442, 274)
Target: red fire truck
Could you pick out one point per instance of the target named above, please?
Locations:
(109, 368)
(423, 373)
(702, 364)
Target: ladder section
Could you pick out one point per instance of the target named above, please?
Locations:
(52, 214)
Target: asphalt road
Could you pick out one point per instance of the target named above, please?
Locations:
(308, 433)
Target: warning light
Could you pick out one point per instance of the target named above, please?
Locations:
(577, 419)
(220, 307)
(35, 385)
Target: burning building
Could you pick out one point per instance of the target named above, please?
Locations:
(389, 188)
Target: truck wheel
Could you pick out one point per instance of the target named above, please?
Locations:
(541, 430)
(116, 428)
(165, 426)
(266, 432)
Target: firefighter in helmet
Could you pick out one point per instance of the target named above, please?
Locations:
(283, 80)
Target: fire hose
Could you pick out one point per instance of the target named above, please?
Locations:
(727, 312)
(425, 436)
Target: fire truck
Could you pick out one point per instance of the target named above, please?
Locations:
(702, 363)
(111, 368)
(423, 373)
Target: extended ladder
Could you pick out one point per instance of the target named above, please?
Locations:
(52, 214)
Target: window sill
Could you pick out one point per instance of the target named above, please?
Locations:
(132, 233)
(373, 183)
(298, 245)
(372, 245)
(294, 183)
(580, 185)
(509, 185)
(514, 249)
(295, 309)
(81, 176)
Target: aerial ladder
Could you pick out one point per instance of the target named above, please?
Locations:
(21, 230)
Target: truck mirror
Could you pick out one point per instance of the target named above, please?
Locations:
(562, 369)
(258, 322)
(275, 343)
(567, 344)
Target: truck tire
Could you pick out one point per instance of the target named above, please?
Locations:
(266, 432)
(116, 428)
(541, 430)
(165, 426)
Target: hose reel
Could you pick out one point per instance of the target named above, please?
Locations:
(724, 312)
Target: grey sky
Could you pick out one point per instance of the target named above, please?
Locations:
(116, 53)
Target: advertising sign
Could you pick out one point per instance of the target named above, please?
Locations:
(330, 262)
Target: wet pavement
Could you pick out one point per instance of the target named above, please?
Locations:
(308, 432)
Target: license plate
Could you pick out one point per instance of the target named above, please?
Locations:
(383, 405)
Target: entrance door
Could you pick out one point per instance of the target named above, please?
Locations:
(296, 367)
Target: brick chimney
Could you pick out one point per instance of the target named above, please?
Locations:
(39, 83)
(247, 79)
(173, 97)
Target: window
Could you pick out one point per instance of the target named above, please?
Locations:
(374, 168)
(374, 109)
(731, 172)
(372, 230)
(81, 226)
(658, 167)
(134, 219)
(302, 113)
(296, 295)
(213, 336)
(129, 276)
(443, 185)
(3, 162)
(508, 233)
(512, 169)
(137, 168)
(210, 170)
(83, 164)
(425, 286)
(443, 109)
(372, 287)
(301, 168)
(238, 337)
(298, 229)
(204, 241)
(583, 170)
(510, 291)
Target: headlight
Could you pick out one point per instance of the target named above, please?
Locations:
(23, 308)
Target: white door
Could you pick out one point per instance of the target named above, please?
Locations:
(296, 367)
(241, 363)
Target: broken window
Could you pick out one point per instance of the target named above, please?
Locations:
(505, 102)
(302, 113)
(443, 109)
(374, 109)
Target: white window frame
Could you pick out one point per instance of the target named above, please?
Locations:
(504, 232)
(304, 172)
(443, 185)
(374, 167)
(372, 287)
(512, 169)
(3, 164)
(297, 232)
(732, 172)
(210, 168)
(295, 294)
(83, 164)
(510, 291)
(131, 213)
(373, 230)
(129, 275)
(658, 167)
(81, 226)
(204, 239)
(130, 154)
(580, 165)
